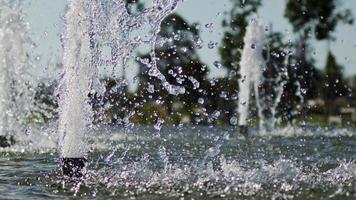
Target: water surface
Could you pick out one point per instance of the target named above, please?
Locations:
(190, 163)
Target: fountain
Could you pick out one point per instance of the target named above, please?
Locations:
(174, 158)
(91, 27)
(12, 63)
(75, 110)
(252, 67)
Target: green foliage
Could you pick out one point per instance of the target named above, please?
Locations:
(335, 85)
(148, 114)
(320, 17)
(45, 103)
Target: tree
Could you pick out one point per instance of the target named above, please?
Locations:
(318, 17)
(45, 102)
(335, 85)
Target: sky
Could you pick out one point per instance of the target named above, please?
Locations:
(45, 21)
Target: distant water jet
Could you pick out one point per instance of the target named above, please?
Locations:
(13, 97)
(252, 67)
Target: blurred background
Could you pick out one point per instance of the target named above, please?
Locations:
(313, 42)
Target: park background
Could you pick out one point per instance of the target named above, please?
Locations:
(319, 35)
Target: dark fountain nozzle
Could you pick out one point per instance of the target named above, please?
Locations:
(6, 141)
(73, 167)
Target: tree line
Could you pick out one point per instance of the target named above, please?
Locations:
(213, 101)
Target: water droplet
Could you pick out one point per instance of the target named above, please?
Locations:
(150, 88)
(195, 82)
(209, 25)
(223, 94)
(198, 43)
(217, 64)
(303, 91)
(233, 121)
(215, 115)
(212, 45)
(176, 37)
(159, 124)
(28, 131)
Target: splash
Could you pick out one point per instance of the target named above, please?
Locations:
(102, 34)
(12, 63)
(189, 168)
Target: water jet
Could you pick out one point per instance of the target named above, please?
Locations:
(75, 110)
(13, 91)
(90, 28)
(253, 66)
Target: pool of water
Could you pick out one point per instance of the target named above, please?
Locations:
(189, 163)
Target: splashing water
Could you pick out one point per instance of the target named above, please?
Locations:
(12, 64)
(91, 27)
(198, 163)
(182, 162)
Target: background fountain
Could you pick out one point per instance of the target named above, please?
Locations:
(267, 90)
(251, 66)
(13, 90)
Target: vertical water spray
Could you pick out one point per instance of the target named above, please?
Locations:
(91, 27)
(75, 114)
(266, 80)
(251, 66)
(12, 63)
